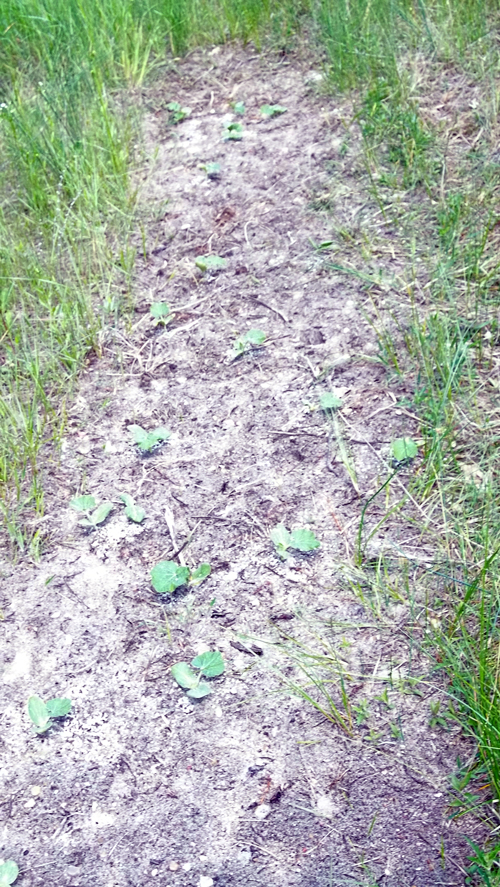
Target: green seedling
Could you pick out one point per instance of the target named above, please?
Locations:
(210, 263)
(325, 244)
(251, 339)
(148, 441)
(272, 110)
(133, 511)
(396, 731)
(238, 107)
(209, 665)
(94, 515)
(167, 576)
(436, 719)
(329, 401)
(233, 132)
(43, 713)
(8, 873)
(362, 711)
(177, 113)
(212, 170)
(301, 540)
(161, 313)
(404, 449)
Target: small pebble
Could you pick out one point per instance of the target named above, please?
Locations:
(262, 811)
(30, 804)
(174, 866)
(35, 790)
(187, 866)
(205, 882)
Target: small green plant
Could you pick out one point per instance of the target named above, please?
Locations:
(8, 873)
(133, 511)
(210, 263)
(301, 540)
(43, 713)
(148, 441)
(436, 719)
(329, 401)
(161, 313)
(177, 113)
(404, 449)
(94, 515)
(251, 339)
(272, 110)
(238, 107)
(396, 731)
(166, 576)
(485, 865)
(212, 170)
(208, 665)
(233, 132)
(362, 711)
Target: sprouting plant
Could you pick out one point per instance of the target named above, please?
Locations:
(8, 873)
(210, 263)
(166, 576)
(133, 511)
(301, 540)
(251, 339)
(329, 401)
(436, 719)
(161, 313)
(43, 713)
(208, 665)
(148, 441)
(94, 515)
(238, 107)
(404, 449)
(362, 711)
(384, 698)
(212, 170)
(396, 731)
(177, 113)
(233, 132)
(272, 110)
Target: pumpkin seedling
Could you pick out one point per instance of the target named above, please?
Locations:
(251, 339)
(329, 401)
(238, 107)
(148, 441)
(167, 576)
(212, 170)
(210, 263)
(133, 511)
(233, 132)
(208, 665)
(160, 312)
(404, 449)
(272, 110)
(177, 113)
(43, 713)
(301, 540)
(8, 873)
(94, 515)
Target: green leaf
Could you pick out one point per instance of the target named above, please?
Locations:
(8, 872)
(135, 513)
(210, 263)
(404, 449)
(304, 540)
(159, 310)
(167, 576)
(38, 713)
(210, 663)
(233, 132)
(100, 514)
(330, 401)
(272, 110)
(58, 708)
(146, 440)
(127, 498)
(212, 170)
(185, 677)
(200, 574)
(255, 337)
(281, 538)
(83, 503)
(239, 107)
(200, 691)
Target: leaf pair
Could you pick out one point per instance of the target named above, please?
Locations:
(161, 313)
(272, 110)
(147, 441)
(210, 263)
(209, 665)
(301, 540)
(8, 873)
(251, 339)
(95, 516)
(177, 113)
(404, 449)
(43, 713)
(233, 132)
(133, 511)
(167, 576)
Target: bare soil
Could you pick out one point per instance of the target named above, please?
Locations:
(251, 785)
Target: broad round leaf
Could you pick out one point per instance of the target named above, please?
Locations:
(83, 503)
(158, 310)
(281, 537)
(304, 540)
(58, 708)
(210, 263)
(8, 872)
(330, 401)
(37, 711)
(139, 435)
(404, 449)
(210, 663)
(183, 674)
(255, 337)
(200, 574)
(135, 513)
(167, 576)
(272, 110)
(100, 514)
(199, 692)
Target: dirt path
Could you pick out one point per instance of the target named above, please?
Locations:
(140, 785)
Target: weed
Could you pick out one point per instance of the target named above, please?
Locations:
(436, 719)
(233, 132)
(250, 340)
(404, 449)
(166, 576)
(148, 441)
(300, 540)
(94, 515)
(208, 665)
(161, 313)
(177, 113)
(43, 714)
(8, 872)
(133, 511)
(272, 110)
(238, 107)
(210, 263)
